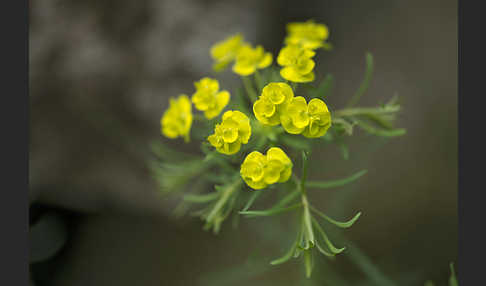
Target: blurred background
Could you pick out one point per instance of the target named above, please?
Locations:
(101, 73)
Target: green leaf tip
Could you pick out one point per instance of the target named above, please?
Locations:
(366, 81)
(336, 183)
(345, 224)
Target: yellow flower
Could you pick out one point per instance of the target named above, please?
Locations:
(312, 120)
(319, 119)
(297, 64)
(177, 119)
(308, 35)
(208, 98)
(248, 60)
(233, 131)
(224, 52)
(273, 100)
(259, 171)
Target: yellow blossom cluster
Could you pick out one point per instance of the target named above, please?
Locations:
(296, 57)
(233, 131)
(297, 64)
(224, 52)
(247, 59)
(258, 170)
(311, 119)
(208, 98)
(177, 119)
(308, 35)
(272, 103)
(276, 104)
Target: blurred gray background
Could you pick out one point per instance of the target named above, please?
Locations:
(101, 73)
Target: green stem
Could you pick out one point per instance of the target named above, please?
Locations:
(294, 86)
(304, 173)
(307, 222)
(249, 88)
(258, 80)
(199, 117)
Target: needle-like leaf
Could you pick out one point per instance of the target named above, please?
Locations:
(252, 199)
(336, 183)
(345, 224)
(270, 212)
(201, 198)
(328, 242)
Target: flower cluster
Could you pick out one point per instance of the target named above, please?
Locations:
(272, 103)
(208, 98)
(177, 119)
(297, 64)
(276, 104)
(311, 120)
(233, 131)
(259, 171)
(224, 52)
(308, 35)
(296, 57)
(249, 59)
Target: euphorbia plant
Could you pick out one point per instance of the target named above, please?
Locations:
(253, 140)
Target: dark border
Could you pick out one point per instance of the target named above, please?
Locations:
(14, 27)
(471, 116)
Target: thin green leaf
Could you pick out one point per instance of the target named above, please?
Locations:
(345, 224)
(366, 81)
(300, 240)
(341, 124)
(287, 255)
(270, 212)
(226, 192)
(336, 183)
(382, 120)
(323, 251)
(252, 199)
(309, 240)
(308, 263)
(365, 111)
(328, 242)
(452, 278)
(201, 198)
(284, 258)
(287, 199)
(305, 157)
(380, 132)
